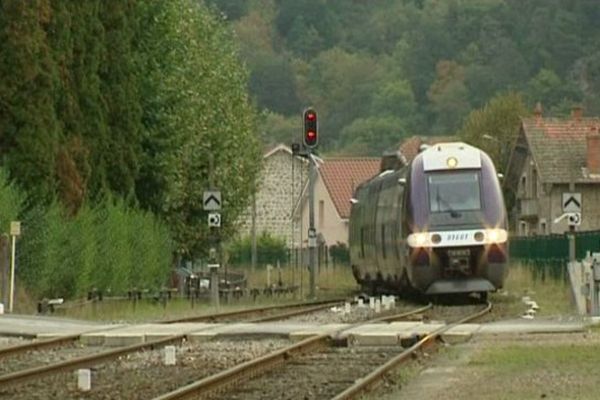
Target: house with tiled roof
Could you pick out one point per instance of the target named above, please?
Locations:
(281, 207)
(410, 147)
(551, 159)
(336, 180)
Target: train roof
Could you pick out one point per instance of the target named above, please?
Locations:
(453, 155)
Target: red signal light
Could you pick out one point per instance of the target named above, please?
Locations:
(311, 136)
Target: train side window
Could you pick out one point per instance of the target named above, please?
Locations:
(383, 240)
(362, 242)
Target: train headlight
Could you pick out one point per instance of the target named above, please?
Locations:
(496, 235)
(419, 239)
(452, 162)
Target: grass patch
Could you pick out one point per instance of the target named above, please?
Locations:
(332, 282)
(557, 371)
(552, 295)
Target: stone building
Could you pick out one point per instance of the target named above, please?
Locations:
(552, 159)
(281, 182)
(281, 198)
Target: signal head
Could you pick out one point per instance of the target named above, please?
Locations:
(311, 136)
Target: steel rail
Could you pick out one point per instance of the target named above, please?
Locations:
(31, 373)
(247, 369)
(69, 365)
(68, 339)
(263, 364)
(41, 344)
(229, 314)
(375, 376)
(294, 313)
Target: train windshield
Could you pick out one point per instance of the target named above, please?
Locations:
(456, 191)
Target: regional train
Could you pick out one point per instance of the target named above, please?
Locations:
(434, 226)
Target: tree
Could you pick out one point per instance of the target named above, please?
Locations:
(273, 84)
(372, 136)
(494, 127)
(30, 130)
(340, 85)
(548, 88)
(195, 108)
(396, 99)
(449, 97)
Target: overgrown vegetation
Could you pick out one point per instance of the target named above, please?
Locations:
(110, 247)
(378, 71)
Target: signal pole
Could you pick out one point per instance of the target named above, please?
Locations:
(312, 233)
(311, 139)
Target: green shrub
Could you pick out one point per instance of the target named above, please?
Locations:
(270, 249)
(111, 247)
(340, 254)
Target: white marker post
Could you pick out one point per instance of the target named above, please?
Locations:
(170, 355)
(15, 230)
(84, 380)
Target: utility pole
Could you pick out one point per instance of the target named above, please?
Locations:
(312, 233)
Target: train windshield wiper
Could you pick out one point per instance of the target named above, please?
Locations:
(453, 213)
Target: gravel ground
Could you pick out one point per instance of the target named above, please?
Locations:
(142, 375)
(314, 376)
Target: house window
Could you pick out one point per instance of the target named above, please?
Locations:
(321, 213)
(543, 227)
(534, 184)
(524, 185)
(523, 228)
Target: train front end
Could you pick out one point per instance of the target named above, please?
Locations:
(457, 230)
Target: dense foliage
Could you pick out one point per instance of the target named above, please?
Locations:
(109, 247)
(391, 68)
(126, 99)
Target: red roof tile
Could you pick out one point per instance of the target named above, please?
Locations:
(342, 175)
(559, 147)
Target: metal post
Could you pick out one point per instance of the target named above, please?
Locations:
(571, 239)
(312, 237)
(214, 286)
(214, 252)
(253, 232)
(5, 265)
(12, 273)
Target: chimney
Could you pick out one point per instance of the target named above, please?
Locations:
(593, 153)
(577, 113)
(537, 111)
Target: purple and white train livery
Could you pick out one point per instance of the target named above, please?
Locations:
(435, 226)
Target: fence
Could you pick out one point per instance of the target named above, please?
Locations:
(552, 251)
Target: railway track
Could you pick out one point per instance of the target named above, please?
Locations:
(104, 356)
(315, 357)
(215, 373)
(256, 314)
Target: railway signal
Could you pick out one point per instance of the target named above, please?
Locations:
(311, 128)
